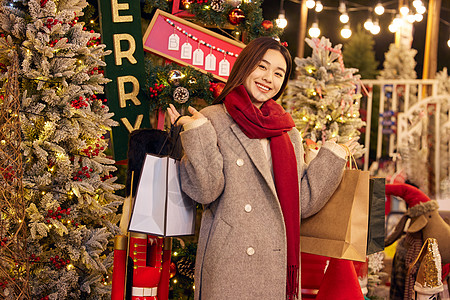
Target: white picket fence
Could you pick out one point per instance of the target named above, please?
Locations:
(407, 109)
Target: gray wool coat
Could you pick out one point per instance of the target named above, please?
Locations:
(242, 243)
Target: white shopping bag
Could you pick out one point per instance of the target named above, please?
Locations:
(160, 207)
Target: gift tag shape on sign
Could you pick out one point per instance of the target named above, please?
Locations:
(186, 51)
(198, 57)
(224, 67)
(174, 42)
(210, 62)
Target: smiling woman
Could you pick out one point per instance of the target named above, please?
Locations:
(244, 162)
(267, 78)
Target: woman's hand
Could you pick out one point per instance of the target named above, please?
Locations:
(175, 115)
(351, 145)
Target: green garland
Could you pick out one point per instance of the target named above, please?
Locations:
(182, 284)
(160, 87)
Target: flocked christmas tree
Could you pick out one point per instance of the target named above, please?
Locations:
(68, 186)
(322, 99)
(399, 63)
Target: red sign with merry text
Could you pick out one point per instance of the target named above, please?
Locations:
(163, 27)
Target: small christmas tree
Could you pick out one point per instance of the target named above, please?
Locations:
(68, 186)
(322, 99)
(399, 63)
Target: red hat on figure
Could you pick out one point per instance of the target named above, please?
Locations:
(418, 202)
(340, 282)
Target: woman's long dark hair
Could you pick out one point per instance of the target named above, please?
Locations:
(247, 61)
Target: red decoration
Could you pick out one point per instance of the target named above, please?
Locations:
(267, 24)
(172, 270)
(187, 3)
(216, 88)
(236, 16)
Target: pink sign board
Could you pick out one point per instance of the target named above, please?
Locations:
(186, 43)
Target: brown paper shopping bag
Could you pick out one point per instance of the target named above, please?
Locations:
(339, 229)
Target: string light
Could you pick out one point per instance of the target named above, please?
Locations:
(404, 10)
(417, 3)
(319, 6)
(375, 28)
(379, 9)
(368, 24)
(346, 32)
(411, 18)
(448, 42)
(281, 21)
(421, 9)
(310, 4)
(314, 31)
(344, 18)
(418, 17)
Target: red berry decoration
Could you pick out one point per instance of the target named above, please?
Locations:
(236, 16)
(267, 24)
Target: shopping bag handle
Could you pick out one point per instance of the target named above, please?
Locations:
(350, 158)
(178, 130)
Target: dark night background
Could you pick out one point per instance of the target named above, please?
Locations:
(330, 27)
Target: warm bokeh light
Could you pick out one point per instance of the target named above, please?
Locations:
(421, 9)
(346, 32)
(368, 24)
(393, 28)
(417, 3)
(418, 17)
(310, 4)
(375, 28)
(404, 10)
(344, 18)
(319, 6)
(281, 21)
(379, 9)
(411, 18)
(314, 31)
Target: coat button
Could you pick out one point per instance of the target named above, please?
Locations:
(240, 162)
(248, 208)
(250, 251)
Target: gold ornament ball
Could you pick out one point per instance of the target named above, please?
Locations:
(175, 76)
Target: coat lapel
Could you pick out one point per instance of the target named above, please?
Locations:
(256, 154)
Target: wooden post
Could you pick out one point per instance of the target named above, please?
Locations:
(302, 31)
(431, 40)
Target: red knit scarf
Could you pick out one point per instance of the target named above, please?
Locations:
(271, 121)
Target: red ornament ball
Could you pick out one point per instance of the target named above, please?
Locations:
(267, 24)
(217, 89)
(236, 16)
(172, 270)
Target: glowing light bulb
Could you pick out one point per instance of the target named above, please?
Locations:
(418, 17)
(393, 28)
(310, 4)
(379, 9)
(281, 21)
(375, 28)
(448, 42)
(319, 6)
(344, 18)
(404, 10)
(421, 10)
(397, 21)
(411, 18)
(314, 31)
(346, 32)
(368, 24)
(417, 3)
